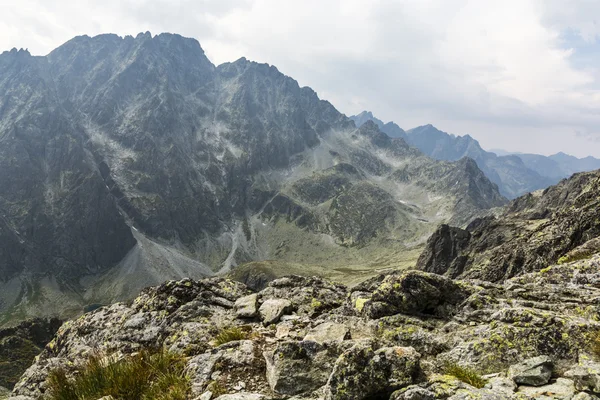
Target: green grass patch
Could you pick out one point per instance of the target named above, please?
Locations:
(577, 255)
(230, 335)
(143, 376)
(465, 374)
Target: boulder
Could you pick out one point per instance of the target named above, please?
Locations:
(535, 371)
(328, 331)
(586, 376)
(501, 385)
(241, 396)
(584, 396)
(247, 306)
(362, 372)
(561, 389)
(298, 367)
(415, 293)
(413, 393)
(272, 310)
(309, 295)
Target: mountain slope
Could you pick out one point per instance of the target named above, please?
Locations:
(560, 224)
(510, 173)
(131, 161)
(390, 128)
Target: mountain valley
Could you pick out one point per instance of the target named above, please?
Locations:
(131, 161)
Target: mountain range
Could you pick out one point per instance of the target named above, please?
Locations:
(128, 161)
(514, 173)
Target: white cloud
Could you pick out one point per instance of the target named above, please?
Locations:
(500, 71)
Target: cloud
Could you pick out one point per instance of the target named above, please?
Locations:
(518, 74)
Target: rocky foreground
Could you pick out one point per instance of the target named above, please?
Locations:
(399, 336)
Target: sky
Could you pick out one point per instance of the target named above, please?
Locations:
(519, 75)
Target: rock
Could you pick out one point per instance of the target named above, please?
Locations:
(561, 389)
(535, 371)
(241, 396)
(414, 293)
(297, 367)
(247, 306)
(501, 385)
(479, 394)
(272, 310)
(413, 393)
(362, 372)
(310, 296)
(584, 396)
(586, 376)
(328, 331)
(442, 252)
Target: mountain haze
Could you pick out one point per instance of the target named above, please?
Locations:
(130, 161)
(514, 173)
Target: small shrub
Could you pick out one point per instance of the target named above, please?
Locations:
(465, 374)
(229, 335)
(577, 255)
(144, 376)
(217, 389)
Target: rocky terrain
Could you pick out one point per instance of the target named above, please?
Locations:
(404, 335)
(20, 344)
(128, 161)
(515, 174)
(557, 225)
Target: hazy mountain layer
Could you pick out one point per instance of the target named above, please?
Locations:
(558, 165)
(514, 174)
(128, 161)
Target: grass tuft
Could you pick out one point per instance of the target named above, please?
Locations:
(144, 376)
(465, 374)
(229, 335)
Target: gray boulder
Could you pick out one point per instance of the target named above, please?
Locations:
(272, 310)
(586, 376)
(501, 385)
(241, 396)
(561, 389)
(584, 396)
(247, 306)
(328, 331)
(362, 372)
(413, 393)
(535, 371)
(298, 367)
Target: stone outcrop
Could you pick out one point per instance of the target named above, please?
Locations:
(557, 225)
(392, 337)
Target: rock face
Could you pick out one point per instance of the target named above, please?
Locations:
(444, 247)
(20, 344)
(130, 161)
(560, 224)
(392, 337)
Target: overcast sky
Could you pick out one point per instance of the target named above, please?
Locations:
(519, 75)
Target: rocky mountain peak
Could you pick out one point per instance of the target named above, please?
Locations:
(138, 160)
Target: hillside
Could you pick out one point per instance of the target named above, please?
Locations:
(128, 161)
(557, 225)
